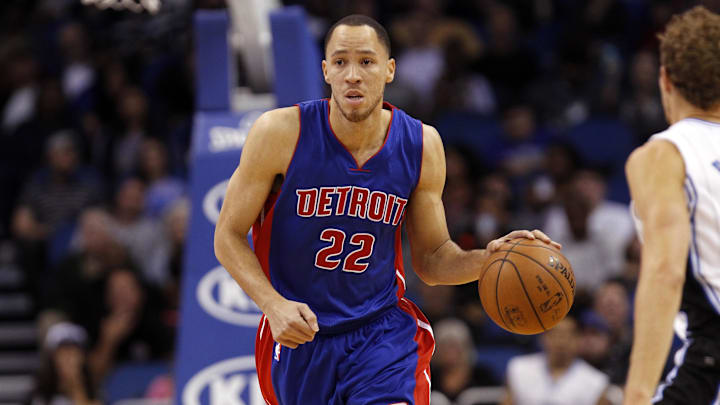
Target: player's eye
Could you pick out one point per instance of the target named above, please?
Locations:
(339, 62)
(367, 61)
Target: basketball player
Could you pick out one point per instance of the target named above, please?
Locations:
(328, 184)
(675, 185)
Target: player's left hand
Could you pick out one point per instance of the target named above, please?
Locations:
(495, 245)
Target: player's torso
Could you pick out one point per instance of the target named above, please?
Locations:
(698, 142)
(335, 237)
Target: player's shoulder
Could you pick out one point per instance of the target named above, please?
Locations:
(281, 122)
(276, 129)
(273, 137)
(432, 173)
(657, 153)
(432, 142)
(672, 139)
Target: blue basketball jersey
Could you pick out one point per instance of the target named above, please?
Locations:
(331, 236)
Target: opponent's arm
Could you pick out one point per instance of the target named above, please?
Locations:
(266, 154)
(656, 174)
(435, 257)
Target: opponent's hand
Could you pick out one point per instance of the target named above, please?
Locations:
(292, 323)
(494, 245)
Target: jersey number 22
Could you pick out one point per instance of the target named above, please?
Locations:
(327, 257)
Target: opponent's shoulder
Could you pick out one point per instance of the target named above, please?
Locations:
(656, 155)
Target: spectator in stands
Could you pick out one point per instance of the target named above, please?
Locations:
(113, 81)
(595, 339)
(56, 193)
(556, 375)
(142, 236)
(78, 72)
(27, 142)
(133, 112)
(631, 268)
(420, 35)
(492, 206)
(162, 189)
(459, 88)
(176, 221)
(612, 304)
(73, 289)
(537, 196)
(521, 150)
(54, 197)
(457, 198)
(561, 162)
(438, 301)
(131, 328)
(594, 231)
(454, 363)
(20, 72)
(507, 63)
(64, 377)
(642, 108)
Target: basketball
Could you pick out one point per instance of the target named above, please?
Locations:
(527, 286)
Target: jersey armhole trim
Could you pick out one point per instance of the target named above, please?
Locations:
(422, 154)
(297, 142)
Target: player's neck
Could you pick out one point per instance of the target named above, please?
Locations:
(362, 135)
(683, 109)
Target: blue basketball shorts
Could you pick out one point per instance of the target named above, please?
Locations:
(384, 362)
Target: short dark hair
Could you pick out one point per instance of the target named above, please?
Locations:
(356, 20)
(689, 50)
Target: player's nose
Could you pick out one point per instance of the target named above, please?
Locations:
(353, 74)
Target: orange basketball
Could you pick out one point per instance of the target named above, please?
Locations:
(527, 286)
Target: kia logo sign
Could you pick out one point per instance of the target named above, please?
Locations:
(221, 297)
(229, 382)
(213, 201)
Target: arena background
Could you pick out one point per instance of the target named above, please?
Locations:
(118, 130)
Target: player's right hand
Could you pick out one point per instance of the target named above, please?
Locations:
(292, 323)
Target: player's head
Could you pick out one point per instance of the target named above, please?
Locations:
(690, 66)
(357, 65)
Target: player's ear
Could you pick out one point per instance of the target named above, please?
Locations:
(324, 69)
(664, 80)
(390, 71)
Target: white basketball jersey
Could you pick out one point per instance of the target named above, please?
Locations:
(699, 144)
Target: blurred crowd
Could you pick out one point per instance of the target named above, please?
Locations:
(539, 102)
(95, 123)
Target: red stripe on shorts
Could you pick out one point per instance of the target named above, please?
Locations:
(263, 360)
(426, 346)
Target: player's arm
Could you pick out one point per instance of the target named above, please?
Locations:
(266, 154)
(656, 174)
(435, 257)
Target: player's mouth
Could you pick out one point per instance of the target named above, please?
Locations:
(354, 97)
